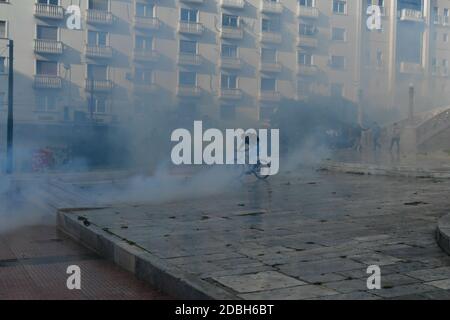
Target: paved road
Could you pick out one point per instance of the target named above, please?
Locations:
(303, 235)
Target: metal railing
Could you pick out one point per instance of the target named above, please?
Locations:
(48, 46)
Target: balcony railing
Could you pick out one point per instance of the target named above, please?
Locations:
(308, 12)
(233, 63)
(307, 41)
(235, 33)
(99, 17)
(440, 71)
(48, 11)
(411, 15)
(271, 37)
(234, 4)
(145, 55)
(43, 81)
(230, 94)
(194, 28)
(48, 46)
(271, 7)
(98, 85)
(411, 68)
(150, 23)
(188, 91)
(273, 67)
(269, 95)
(307, 70)
(190, 59)
(94, 51)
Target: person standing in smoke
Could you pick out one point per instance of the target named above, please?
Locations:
(376, 134)
(396, 133)
(357, 136)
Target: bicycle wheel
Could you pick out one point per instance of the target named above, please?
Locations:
(257, 170)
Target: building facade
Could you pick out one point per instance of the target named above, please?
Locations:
(222, 58)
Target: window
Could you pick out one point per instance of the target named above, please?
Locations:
(48, 68)
(49, 2)
(305, 59)
(189, 15)
(270, 25)
(101, 5)
(337, 62)
(143, 76)
(188, 47)
(3, 29)
(445, 37)
(338, 34)
(97, 38)
(99, 104)
(268, 84)
(188, 79)
(230, 20)
(145, 10)
(303, 87)
(97, 72)
(45, 102)
(47, 33)
(2, 65)
(306, 29)
(268, 55)
(2, 100)
(307, 3)
(227, 112)
(228, 81)
(340, 6)
(144, 42)
(229, 51)
(379, 57)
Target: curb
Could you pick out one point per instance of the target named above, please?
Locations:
(372, 169)
(443, 233)
(144, 265)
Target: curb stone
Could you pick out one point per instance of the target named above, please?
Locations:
(144, 265)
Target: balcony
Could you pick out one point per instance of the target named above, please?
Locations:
(234, 33)
(145, 55)
(307, 70)
(232, 4)
(230, 94)
(48, 46)
(271, 37)
(307, 12)
(411, 68)
(188, 91)
(439, 71)
(410, 15)
(271, 7)
(148, 23)
(272, 67)
(232, 63)
(44, 81)
(194, 28)
(186, 59)
(270, 96)
(307, 41)
(101, 52)
(48, 11)
(99, 17)
(98, 85)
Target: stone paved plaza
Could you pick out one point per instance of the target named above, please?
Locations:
(301, 235)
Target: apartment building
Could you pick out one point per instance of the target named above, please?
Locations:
(222, 58)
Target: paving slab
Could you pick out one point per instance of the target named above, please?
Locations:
(301, 235)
